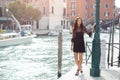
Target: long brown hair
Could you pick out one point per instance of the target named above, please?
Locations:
(75, 27)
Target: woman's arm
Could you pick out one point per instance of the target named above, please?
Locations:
(72, 40)
(72, 46)
(91, 30)
(93, 27)
(87, 32)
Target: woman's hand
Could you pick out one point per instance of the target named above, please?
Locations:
(90, 34)
(92, 30)
(71, 46)
(93, 27)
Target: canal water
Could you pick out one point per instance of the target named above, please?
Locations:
(36, 60)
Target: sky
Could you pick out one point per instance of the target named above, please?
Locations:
(117, 3)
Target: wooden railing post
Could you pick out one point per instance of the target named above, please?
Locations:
(59, 54)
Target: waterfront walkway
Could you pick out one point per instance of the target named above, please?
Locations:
(112, 73)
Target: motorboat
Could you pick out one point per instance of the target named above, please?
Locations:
(8, 38)
(12, 33)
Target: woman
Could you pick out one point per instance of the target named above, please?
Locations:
(77, 45)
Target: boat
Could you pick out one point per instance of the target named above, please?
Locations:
(53, 33)
(12, 33)
(8, 38)
(17, 34)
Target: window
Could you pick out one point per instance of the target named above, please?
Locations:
(73, 13)
(93, 6)
(72, 0)
(106, 14)
(106, 5)
(64, 11)
(26, 1)
(73, 6)
(0, 11)
(93, 14)
(52, 10)
(44, 10)
(64, 0)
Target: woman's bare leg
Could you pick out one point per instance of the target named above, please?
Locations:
(76, 59)
(77, 62)
(80, 61)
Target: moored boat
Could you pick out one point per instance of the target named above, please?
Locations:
(9, 39)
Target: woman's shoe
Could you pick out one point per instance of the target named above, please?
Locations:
(81, 71)
(77, 72)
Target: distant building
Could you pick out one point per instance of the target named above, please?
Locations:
(42, 5)
(52, 12)
(75, 8)
(86, 9)
(56, 13)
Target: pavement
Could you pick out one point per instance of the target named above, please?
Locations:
(112, 73)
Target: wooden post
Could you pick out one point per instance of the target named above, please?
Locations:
(112, 50)
(109, 46)
(59, 53)
(119, 42)
(119, 49)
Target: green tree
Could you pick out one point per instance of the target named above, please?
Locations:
(24, 12)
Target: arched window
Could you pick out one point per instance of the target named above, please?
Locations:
(106, 6)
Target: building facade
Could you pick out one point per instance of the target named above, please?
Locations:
(52, 12)
(75, 8)
(56, 14)
(61, 12)
(86, 9)
(43, 6)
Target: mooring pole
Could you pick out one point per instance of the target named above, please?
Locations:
(60, 54)
(109, 46)
(112, 50)
(119, 42)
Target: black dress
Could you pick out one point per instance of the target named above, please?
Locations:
(79, 45)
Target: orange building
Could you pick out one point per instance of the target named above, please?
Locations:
(75, 8)
(86, 9)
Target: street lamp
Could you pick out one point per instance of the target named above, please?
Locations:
(96, 50)
(14, 18)
(6, 9)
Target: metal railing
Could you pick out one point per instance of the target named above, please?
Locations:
(113, 58)
(88, 49)
(111, 54)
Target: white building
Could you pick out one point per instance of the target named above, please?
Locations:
(52, 13)
(56, 11)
